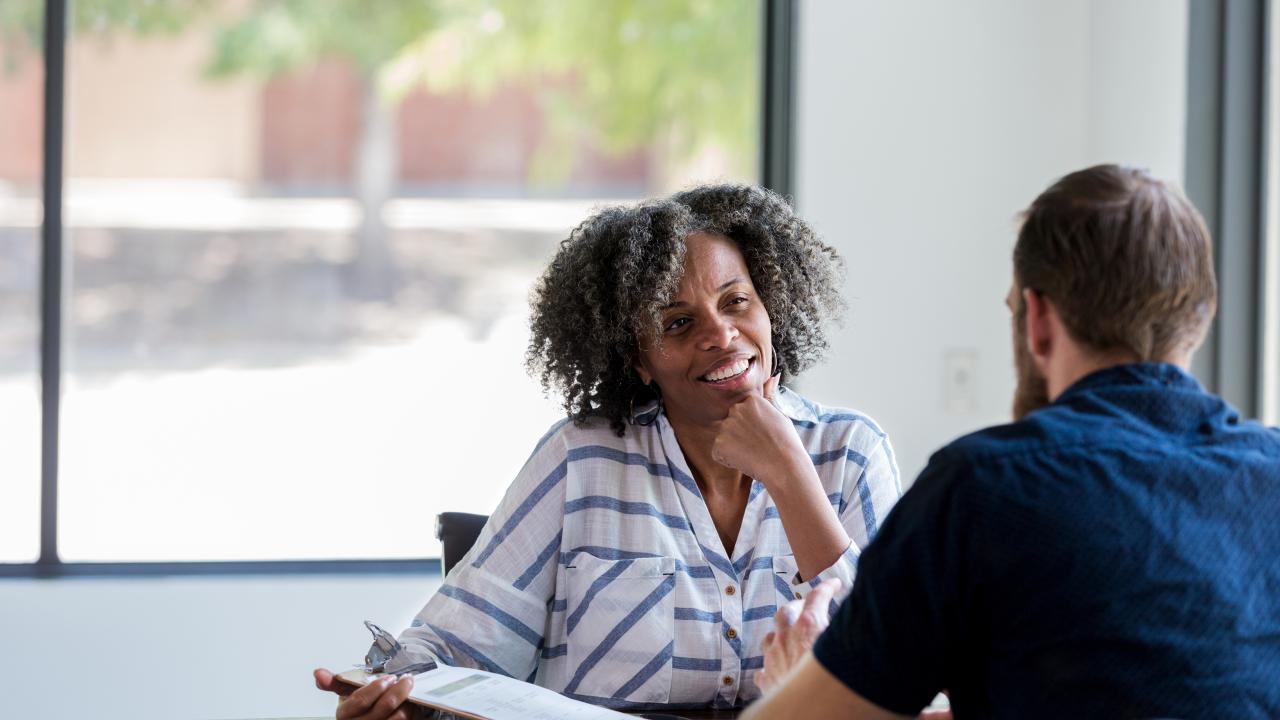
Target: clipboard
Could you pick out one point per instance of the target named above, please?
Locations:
(479, 695)
(358, 678)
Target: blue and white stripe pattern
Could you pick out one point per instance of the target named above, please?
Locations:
(602, 576)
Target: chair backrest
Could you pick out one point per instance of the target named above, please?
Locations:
(457, 532)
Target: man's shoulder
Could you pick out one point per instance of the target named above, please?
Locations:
(995, 459)
(1046, 430)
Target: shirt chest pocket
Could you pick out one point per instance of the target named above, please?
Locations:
(620, 628)
(784, 575)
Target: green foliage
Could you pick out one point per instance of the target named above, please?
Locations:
(276, 36)
(676, 76)
(681, 73)
(22, 21)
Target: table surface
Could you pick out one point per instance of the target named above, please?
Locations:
(682, 714)
(695, 714)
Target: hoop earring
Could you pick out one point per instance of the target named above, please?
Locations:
(776, 367)
(649, 410)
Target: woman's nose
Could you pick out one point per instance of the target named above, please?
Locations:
(719, 333)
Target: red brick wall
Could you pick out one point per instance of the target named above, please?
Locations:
(21, 112)
(310, 126)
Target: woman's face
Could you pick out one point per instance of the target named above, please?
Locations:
(716, 337)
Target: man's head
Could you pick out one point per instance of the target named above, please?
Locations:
(1111, 266)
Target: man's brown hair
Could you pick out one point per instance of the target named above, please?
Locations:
(1126, 260)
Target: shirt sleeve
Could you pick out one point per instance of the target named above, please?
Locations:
(491, 611)
(870, 489)
(893, 637)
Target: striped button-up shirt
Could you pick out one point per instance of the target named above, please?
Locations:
(601, 574)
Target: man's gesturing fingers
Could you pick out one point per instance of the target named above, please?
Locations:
(815, 617)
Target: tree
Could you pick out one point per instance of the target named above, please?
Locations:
(674, 75)
(666, 74)
(22, 21)
(671, 76)
(277, 36)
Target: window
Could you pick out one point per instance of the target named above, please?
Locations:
(300, 239)
(1270, 409)
(21, 115)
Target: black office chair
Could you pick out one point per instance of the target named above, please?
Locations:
(457, 532)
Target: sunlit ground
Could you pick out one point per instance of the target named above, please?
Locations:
(346, 452)
(330, 460)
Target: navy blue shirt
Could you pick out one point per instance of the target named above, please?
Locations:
(1115, 554)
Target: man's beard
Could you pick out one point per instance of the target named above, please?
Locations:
(1032, 392)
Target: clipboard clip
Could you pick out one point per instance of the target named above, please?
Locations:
(385, 647)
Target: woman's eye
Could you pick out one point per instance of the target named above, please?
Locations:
(738, 300)
(676, 324)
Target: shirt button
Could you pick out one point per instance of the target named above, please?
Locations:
(727, 679)
(797, 596)
(731, 634)
(730, 590)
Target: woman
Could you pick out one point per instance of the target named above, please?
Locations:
(639, 557)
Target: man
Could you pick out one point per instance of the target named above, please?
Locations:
(1115, 552)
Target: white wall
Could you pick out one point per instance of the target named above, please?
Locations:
(170, 648)
(924, 127)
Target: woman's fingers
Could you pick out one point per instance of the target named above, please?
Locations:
(324, 679)
(758, 439)
(771, 389)
(391, 703)
(328, 681)
(371, 701)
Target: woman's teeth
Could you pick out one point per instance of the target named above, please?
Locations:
(728, 371)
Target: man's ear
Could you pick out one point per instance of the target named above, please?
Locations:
(1040, 327)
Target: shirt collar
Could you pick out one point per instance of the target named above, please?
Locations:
(788, 401)
(794, 406)
(1155, 374)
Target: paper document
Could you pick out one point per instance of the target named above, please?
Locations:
(486, 695)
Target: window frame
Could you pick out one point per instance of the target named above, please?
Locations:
(1269, 411)
(1227, 178)
(777, 73)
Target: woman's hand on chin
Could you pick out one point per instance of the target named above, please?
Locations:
(758, 440)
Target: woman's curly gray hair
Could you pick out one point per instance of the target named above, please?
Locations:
(605, 289)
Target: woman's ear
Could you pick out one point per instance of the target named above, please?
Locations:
(638, 365)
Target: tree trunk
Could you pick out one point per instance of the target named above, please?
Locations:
(373, 271)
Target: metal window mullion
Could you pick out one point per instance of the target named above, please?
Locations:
(1225, 181)
(777, 117)
(1269, 267)
(51, 277)
(1204, 146)
(1242, 206)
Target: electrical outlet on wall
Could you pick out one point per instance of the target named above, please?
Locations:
(960, 381)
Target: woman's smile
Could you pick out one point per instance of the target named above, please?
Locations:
(731, 374)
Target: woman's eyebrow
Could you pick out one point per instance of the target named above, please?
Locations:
(722, 288)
